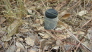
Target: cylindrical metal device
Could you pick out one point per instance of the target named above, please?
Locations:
(51, 19)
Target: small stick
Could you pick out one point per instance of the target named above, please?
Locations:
(74, 5)
(86, 23)
(43, 4)
(77, 39)
(74, 37)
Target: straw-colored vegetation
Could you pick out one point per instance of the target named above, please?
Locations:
(22, 26)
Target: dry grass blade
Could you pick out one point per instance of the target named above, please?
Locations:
(65, 38)
(59, 6)
(74, 37)
(21, 10)
(76, 4)
(11, 48)
(86, 23)
(66, 16)
(2, 20)
(53, 36)
(8, 9)
(44, 4)
(12, 29)
(16, 12)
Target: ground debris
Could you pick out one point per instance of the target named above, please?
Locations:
(22, 31)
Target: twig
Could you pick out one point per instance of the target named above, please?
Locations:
(73, 36)
(77, 46)
(43, 4)
(74, 5)
(77, 39)
(86, 23)
(53, 36)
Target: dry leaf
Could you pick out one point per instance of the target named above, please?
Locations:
(41, 34)
(63, 36)
(35, 25)
(56, 47)
(89, 33)
(58, 42)
(66, 16)
(46, 47)
(68, 46)
(51, 0)
(6, 44)
(23, 30)
(61, 28)
(44, 35)
(19, 45)
(18, 50)
(87, 44)
(62, 13)
(80, 32)
(13, 27)
(1, 44)
(32, 50)
(29, 41)
(1, 33)
(2, 19)
(39, 21)
(28, 16)
(20, 39)
(11, 49)
(29, 11)
(61, 24)
(6, 38)
(83, 12)
(63, 3)
(58, 7)
(40, 28)
(42, 43)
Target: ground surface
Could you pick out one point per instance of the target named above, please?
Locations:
(22, 29)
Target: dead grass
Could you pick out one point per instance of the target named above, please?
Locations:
(71, 34)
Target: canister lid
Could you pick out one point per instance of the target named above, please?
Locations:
(51, 13)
